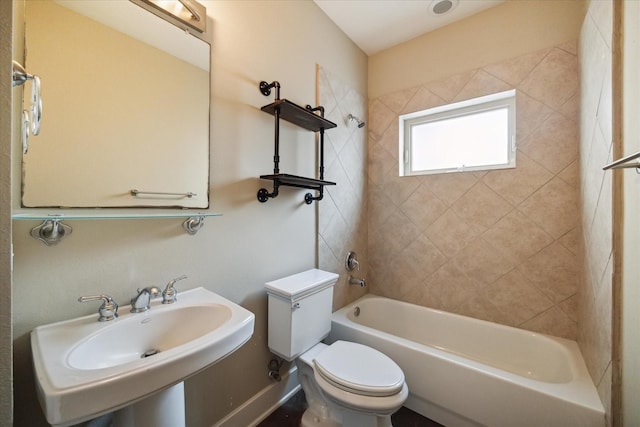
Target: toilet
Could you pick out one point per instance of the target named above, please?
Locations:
(345, 383)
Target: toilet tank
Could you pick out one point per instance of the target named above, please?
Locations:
(300, 309)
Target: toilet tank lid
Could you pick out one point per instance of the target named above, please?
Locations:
(302, 284)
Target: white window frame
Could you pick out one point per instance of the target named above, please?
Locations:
(506, 99)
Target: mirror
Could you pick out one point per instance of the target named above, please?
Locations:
(125, 107)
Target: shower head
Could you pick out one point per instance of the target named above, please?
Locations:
(353, 118)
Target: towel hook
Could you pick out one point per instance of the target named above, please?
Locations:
(32, 118)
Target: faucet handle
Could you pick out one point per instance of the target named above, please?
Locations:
(170, 294)
(351, 263)
(107, 311)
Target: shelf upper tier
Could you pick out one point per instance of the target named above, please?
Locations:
(297, 181)
(298, 115)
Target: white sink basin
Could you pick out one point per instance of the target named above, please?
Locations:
(85, 368)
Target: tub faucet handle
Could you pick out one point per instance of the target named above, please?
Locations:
(351, 263)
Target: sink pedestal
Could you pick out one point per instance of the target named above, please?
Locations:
(162, 409)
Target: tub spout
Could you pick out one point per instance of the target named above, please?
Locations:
(357, 281)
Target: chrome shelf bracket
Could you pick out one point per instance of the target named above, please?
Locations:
(51, 231)
(193, 224)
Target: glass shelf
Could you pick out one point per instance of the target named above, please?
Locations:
(44, 214)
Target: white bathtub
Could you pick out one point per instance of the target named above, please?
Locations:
(468, 372)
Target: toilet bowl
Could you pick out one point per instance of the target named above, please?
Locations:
(350, 384)
(345, 383)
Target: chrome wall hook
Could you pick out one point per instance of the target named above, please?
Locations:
(51, 231)
(31, 118)
(20, 75)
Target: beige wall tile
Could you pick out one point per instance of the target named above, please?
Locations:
(398, 188)
(572, 240)
(515, 185)
(396, 101)
(452, 286)
(481, 206)
(482, 262)
(499, 245)
(481, 307)
(423, 100)
(554, 80)
(553, 271)
(530, 113)
(513, 71)
(423, 207)
(554, 207)
(380, 117)
(449, 187)
(481, 84)
(450, 233)
(553, 322)
(517, 237)
(342, 214)
(449, 88)
(514, 295)
(554, 144)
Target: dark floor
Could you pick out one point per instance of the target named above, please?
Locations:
(289, 415)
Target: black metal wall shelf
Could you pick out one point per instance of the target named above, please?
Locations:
(297, 115)
(306, 118)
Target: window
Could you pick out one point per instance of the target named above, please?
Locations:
(476, 134)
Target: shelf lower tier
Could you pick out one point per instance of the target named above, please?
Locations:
(297, 181)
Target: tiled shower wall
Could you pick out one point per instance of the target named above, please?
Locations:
(501, 245)
(342, 214)
(595, 302)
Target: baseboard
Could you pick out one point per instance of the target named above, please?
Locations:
(263, 403)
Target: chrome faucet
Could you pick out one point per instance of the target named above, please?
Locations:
(355, 281)
(170, 294)
(142, 301)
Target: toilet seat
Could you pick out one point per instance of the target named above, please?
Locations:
(358, 369)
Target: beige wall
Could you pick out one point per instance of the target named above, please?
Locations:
(342, 215)
(627, 300)
(596, 196)
(499, 245)
(6, 359)
(489, 37)
(232, 255)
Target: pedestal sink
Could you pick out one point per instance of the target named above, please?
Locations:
(85, 368)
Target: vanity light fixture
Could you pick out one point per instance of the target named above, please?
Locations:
(186, 14)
